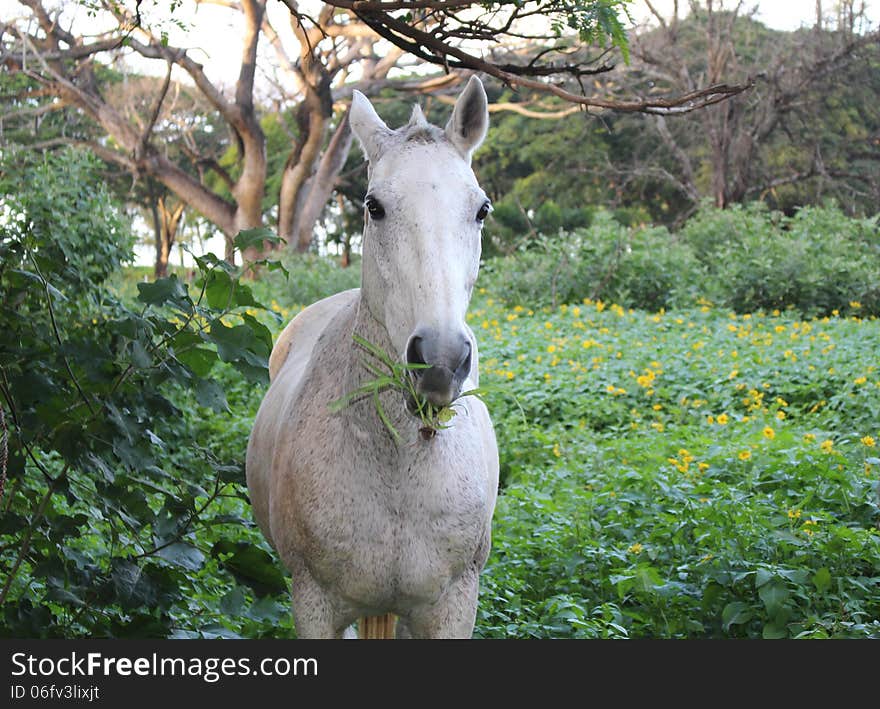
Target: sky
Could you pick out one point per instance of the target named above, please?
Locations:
(777, 14)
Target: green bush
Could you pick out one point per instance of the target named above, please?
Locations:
(746, 258)
(124, 512)
(636, 267)
(818, 261)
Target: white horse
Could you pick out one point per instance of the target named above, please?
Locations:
(369, 528)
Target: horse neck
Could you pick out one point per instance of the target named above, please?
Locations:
(363, 413)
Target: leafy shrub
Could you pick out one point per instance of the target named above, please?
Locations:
(711, 230)
(638, 267)
(746, 258)
(509, 227)
(312, 278)
(119, 517)
(80, 239)
(818, 261)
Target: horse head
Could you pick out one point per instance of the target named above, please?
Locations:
(424, 212)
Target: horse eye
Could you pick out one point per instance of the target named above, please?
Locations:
(484, 211)
(374, 208)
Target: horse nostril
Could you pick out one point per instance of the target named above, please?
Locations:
(464, 364)
(414, 351)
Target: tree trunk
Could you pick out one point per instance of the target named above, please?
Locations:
(168, 234)
(160, 268)
(299, 167)
(321, 185)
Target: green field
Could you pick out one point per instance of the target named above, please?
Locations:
(681, 474)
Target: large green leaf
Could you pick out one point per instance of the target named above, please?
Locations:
(735, 613)
(249, 238)
(251, 566)
(210, 394)
(774, 594)
(161, 291)
(184, 555)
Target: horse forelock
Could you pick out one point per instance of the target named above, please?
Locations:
(423, 133)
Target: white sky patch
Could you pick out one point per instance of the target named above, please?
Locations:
(777, 14)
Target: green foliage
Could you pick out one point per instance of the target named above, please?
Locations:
(746, 258)
(82, 242)
(597, 22)
(312, 278)
(688, 474)
(125, 507)
(642, 267)
(818, 261)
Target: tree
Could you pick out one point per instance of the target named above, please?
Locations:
(345, 45)
(787, 129)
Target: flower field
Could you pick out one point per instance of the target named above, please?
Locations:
(682, 474)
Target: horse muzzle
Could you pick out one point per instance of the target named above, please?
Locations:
(445, 363)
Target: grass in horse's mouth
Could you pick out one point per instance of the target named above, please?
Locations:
(390, 374)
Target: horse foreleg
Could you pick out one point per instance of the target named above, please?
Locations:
(314, 613)
(452, 616)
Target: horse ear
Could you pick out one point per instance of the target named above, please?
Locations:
(470, 119)
(369, 129)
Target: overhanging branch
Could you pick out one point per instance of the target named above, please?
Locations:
(428, 47)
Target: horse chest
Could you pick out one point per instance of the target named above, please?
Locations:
(402, 532)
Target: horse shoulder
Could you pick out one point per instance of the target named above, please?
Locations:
(301, 333)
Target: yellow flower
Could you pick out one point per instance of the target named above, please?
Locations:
(854, 304)
(657, 407)
(635, 548)
(827, 446)
(860, 380)
(794, 514)
(703, 467)
(722, 419)
(745, 455)
(769, 433)
(710, 419)
(780, 415)
(551, 348)
(809, 437)
(556, 451)
(868, 441)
